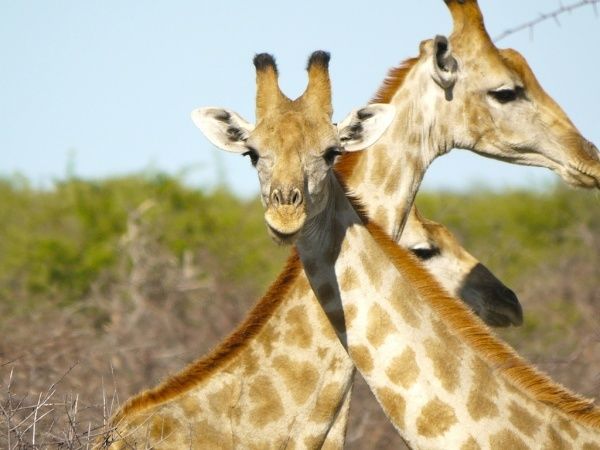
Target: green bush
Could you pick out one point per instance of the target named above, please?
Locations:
(55, 243)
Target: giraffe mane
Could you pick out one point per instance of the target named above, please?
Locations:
(395, 78)
(477, 335)
(225, 351)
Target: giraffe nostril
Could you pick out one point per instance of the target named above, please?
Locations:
(296, 197)
(276, 197)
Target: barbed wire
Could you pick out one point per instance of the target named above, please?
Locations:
(547, 16)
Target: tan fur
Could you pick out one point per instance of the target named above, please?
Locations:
(435, 419)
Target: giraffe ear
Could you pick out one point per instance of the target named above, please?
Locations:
(224, 128)
(445, 67)
(363, 127)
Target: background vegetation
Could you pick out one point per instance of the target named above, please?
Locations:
(106, 286)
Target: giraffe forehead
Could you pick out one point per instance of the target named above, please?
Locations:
(294, 132)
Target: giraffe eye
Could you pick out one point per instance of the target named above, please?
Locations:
(425, 253)
(253, 154)
(507, 95)
(330, 154)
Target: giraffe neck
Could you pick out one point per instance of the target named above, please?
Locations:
(437, 387)
(387, 177)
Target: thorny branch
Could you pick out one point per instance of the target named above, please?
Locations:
(547, 16)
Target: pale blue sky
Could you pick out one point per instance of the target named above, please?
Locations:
(114, 81)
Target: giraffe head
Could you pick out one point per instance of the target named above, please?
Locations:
(494, 104)
(459, 272)
(294, 142)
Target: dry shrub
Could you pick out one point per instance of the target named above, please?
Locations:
(561, 300)
(144, 319)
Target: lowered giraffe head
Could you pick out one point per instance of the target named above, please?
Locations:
(459, 272)
(481, 98)
(294, 142)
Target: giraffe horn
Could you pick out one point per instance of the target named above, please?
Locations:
(318, 91)
(467, 20)
(268, 94)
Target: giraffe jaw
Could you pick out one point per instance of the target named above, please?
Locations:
(282, 238)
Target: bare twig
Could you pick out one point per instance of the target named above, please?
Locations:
(548, 16)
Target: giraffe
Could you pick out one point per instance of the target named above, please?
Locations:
(330, 400)
(290, 293)
(463, 92)
(439, 374)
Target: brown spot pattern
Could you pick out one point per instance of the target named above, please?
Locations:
(379, 325)
(407, 309)
(300, 377)
(351, 313)
(361, 356)
(506, 439)
(329, 396)
(435, 419)
(267, 337)
(523, 420)
(371, 267)
(484, 390)
(471, 444)
(266, 400)
(446, 364)
(554, 441)
(219, 400)
(403, 370)
(393, 404)
(312, 442)
(209, 437)
(321, 352)
(190, 405)
(299, 330)
(568, 427)
(590, 446)
(450, 340)
(349, 279)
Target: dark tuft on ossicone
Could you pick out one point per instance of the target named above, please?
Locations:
(264, 60)
(319, 58)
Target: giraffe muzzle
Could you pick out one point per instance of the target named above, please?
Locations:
(491, 300)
